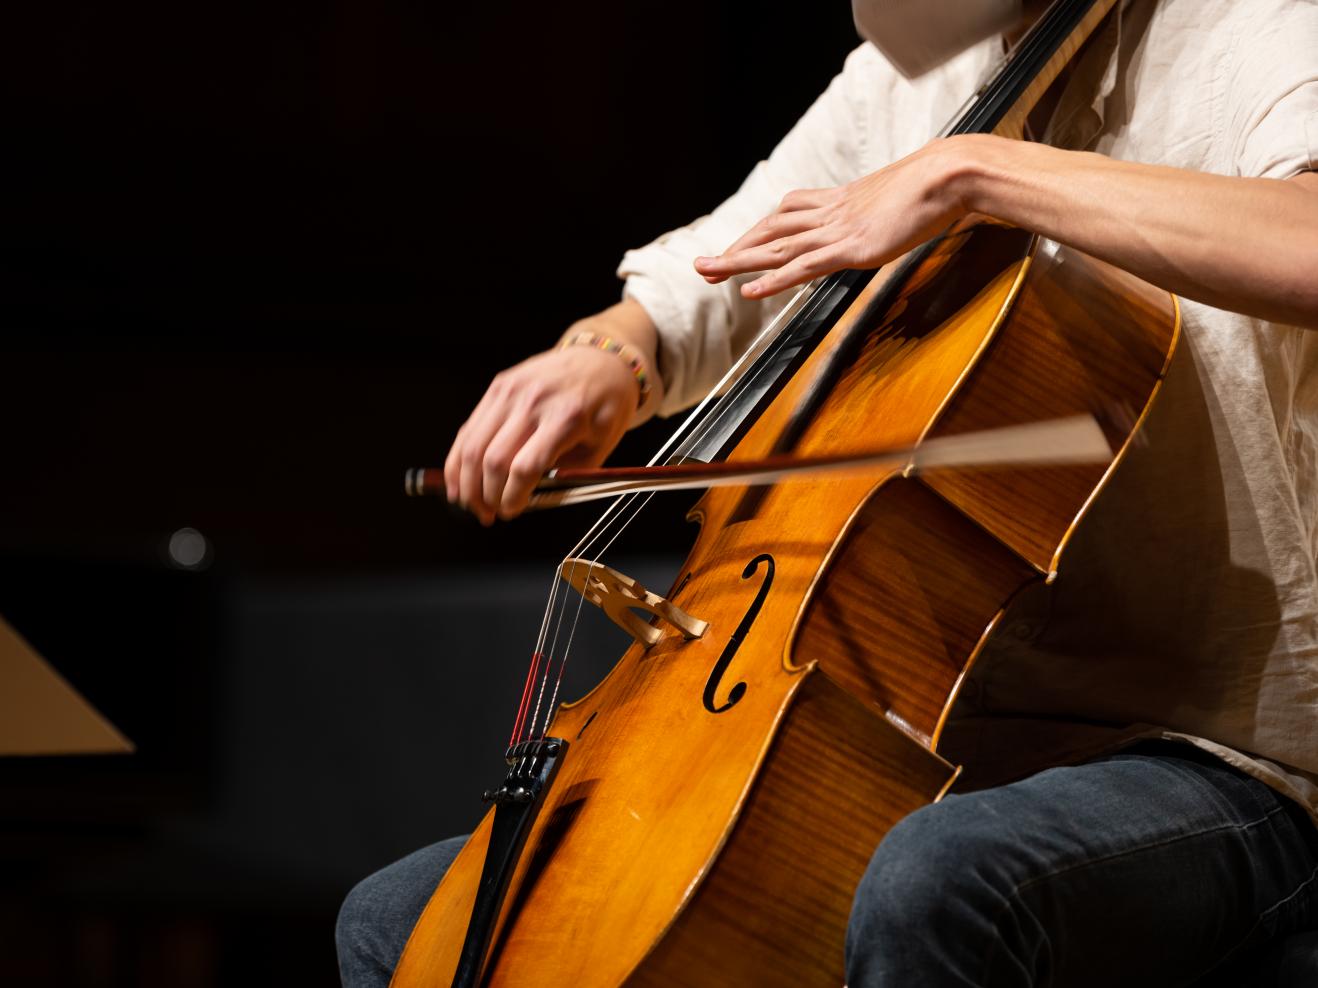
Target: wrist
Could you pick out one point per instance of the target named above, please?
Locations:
(985, 172)
(627, 355)
(628, 323)
(970, 171)
(1008, 180)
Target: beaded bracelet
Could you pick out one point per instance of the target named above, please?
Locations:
(626, 351)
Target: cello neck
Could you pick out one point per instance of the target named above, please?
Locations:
(1002, 105)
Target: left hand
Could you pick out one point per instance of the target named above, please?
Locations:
(863, 224)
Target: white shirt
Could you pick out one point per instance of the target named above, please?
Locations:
(1187, 604)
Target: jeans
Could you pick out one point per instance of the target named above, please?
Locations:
(1157, 866)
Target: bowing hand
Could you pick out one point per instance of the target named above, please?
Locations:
(863, 224)
(559, 408)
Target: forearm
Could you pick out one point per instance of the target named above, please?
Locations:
(1245, 244)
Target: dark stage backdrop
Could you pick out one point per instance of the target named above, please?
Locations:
(256, 260)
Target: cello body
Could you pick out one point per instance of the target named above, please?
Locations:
(723, 794)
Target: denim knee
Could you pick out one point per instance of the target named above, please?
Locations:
(377, 916)
(359, 932)
(905, 884)
(931, 899)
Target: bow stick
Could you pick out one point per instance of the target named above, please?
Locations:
(1077, 439)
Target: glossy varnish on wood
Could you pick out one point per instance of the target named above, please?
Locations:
(1013, 122)
(1077, 341)
(740, 927)
(904, 603)
(668, 818)
(709, 830)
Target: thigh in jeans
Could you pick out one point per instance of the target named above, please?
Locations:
(1150, 867)
(377, 917)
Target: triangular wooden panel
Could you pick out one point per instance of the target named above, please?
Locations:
(41, 714)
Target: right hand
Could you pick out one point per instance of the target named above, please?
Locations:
(566, 407)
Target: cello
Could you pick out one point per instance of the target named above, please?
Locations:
(703, 815)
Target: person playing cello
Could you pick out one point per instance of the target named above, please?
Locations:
(1173, 682)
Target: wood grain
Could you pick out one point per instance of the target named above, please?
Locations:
(773, 909)
(1013, 122)
(905, 603)
(689, 843)
(1084, 336)
(657, 809)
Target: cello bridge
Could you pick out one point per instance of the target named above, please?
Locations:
(620, 597)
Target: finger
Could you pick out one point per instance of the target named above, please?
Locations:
(777, 225)
(499, 455)
(805, 268)
(453, 462)
(484, 423)
(543, 450)
(453, 467)
(772, 255)
(806, 199)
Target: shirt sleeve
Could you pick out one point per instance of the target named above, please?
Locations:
(702, 327)
(1272, 101)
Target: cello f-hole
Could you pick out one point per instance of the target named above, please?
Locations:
(734, 643)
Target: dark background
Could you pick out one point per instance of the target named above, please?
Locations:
(256, 260)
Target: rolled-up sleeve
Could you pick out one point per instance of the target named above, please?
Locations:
(702, 327)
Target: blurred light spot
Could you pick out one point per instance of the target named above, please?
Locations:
(188, 549)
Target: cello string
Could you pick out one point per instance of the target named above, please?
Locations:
(582, 545)
(537, 654)
(555, 586)
(695, 426)
(770, 339)
(767, 344)
(553, 646)
(526, 697)
(601, 531)
(606, 529)
(556, 589)
(766, 349)
(961, 121)
(581, 599)
(805, 294)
